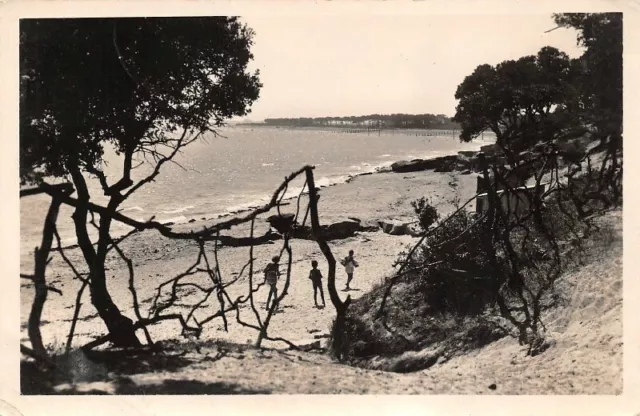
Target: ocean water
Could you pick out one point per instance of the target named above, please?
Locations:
(220, 175)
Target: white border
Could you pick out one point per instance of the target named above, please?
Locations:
(626, 404)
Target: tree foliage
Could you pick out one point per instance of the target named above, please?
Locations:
(129, 82)
(147, 87)
(601, 84)
(524, 101)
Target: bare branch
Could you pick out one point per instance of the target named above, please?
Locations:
(156, 171)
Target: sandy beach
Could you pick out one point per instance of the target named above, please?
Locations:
(586, 332)
(370, 198)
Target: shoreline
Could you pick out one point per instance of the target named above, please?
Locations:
(186, 222)
(384, 195)
(368, 197)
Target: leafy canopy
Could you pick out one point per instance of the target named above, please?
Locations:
(601, 35)
(130, 82)
(522, 101)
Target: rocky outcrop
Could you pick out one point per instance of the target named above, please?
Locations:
(335, 231)
(415, 165)
(345, 229)
(395, 227)
(466, 154)
(459, 162)
(281, 222)
(490, 149)
(467, 160)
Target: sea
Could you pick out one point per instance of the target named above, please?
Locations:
(240, 168)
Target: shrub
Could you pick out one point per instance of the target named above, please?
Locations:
(452, 267)
(426, 212)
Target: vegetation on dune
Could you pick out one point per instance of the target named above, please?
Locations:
(496, 269)
(451, 300)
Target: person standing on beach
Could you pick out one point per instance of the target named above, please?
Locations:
(316, 278)
(349, 264)
(271, 275)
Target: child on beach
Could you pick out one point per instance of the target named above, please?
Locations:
(316, 277)
(349, 264)
(271, 274)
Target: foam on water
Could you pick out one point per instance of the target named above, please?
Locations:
(132, 209)
(177, 210)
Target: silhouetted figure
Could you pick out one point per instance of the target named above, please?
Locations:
(349, 264)
(316, 278)
(271, 275)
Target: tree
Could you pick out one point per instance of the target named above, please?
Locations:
(523, 101)
(601, 35)
(601, 84)
(536, 103)
(147, 87)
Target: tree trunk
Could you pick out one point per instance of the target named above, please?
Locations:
(339, 341)
(41, 257)
(120, 327)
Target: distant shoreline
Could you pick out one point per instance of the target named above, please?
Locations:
(334, 128)
(443, 133)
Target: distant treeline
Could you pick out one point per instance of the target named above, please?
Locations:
(397, 121)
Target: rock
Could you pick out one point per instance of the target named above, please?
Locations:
(465, 172)
(490, 149)
(310, 346)
(415, 165)
(369, 226)
(462, 165)
(192, 220)
(281, 223)
(467, 154)
(493, 386)
(336, 231)
(406, 166)
(444, 169)
(395, 227)
(438, 164)
(342, 229)
(303, 233)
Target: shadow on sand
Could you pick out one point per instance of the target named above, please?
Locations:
(168, 387)
(107, 372)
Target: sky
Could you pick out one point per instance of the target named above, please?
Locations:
(342, 65)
